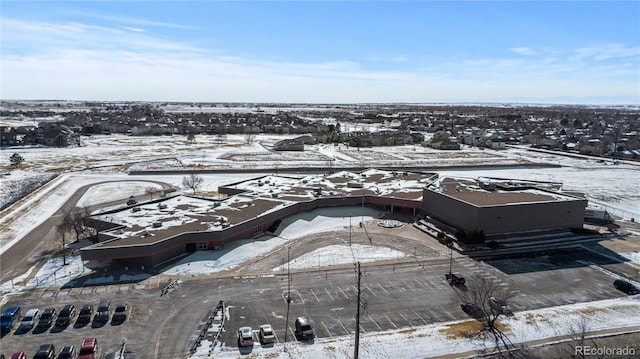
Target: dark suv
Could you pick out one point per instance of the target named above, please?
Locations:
(46, 319)
(46, 351)
(304, 330)
(625, 286)
(66, 315)
(455, 279)
(103, 311)
(85, 314)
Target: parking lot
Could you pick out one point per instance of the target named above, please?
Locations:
(394, 295)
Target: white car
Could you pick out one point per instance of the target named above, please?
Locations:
(29, 320)
(245, 337)
(266, 334)
(500, 306)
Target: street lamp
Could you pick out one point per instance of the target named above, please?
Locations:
(288, 297)
(349, 229)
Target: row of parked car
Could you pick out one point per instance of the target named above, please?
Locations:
(45, 319)
(266, 335)
(88, 350)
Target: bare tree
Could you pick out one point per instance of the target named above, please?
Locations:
(579, 340)
(73, 219)
(62, 229)
(192, 181)
(486, 298)
(151, 190)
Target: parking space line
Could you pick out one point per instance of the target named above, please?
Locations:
(343, 327)
(409, 286)
(345, 294)
(421, 318)
(372, 292)
(374, 322)
(299, 295)
(327, 329)
(420, 284)
(434, 314)
(405, 318)
(449, 314)
(391, 321)
(314, 294)
(383, 288)
(398, 288)
(329, 294)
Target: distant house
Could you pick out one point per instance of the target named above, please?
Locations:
(292, 144)
(56, 134)
(8, 136)
(442, 140)
(295, 144)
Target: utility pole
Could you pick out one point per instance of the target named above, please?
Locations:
(349, 229)
(450, 245)
(357, 343)
(288, 298)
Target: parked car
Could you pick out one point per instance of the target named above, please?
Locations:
(303, 328)
(89, 348)
(499, 306)
(9, 317)
(455, 279)
(19, 355)
(85, 314)
(120, 313)
(29, 320)
(46, 351)
(66, 315)
(625, 286)
(245, 337)
(46, 318)
(103, 311)
(267, 335)
(471, 309)
(67, 352)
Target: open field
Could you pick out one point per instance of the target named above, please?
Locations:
(403, 268)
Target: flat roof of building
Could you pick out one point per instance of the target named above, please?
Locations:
(491, 192)
(159, 220)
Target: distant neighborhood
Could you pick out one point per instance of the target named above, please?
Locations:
(613, 132)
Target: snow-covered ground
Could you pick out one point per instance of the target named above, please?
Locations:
(614, 187)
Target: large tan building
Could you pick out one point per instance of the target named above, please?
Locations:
(157, 231)
(498, 206)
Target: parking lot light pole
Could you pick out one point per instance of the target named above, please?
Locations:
(288, 297)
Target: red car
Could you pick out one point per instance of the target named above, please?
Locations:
(19, 355)
(89, 348)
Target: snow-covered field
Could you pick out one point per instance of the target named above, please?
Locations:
(614, 187)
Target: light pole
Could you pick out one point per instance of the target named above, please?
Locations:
(349, 229)
(288, 297)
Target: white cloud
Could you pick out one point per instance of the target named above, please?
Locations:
(523, 51)
(82, 61)
(134, 29)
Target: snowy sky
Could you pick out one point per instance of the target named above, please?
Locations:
(322, 51)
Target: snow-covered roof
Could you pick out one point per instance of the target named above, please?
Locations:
(158, 220)
(493, 192)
